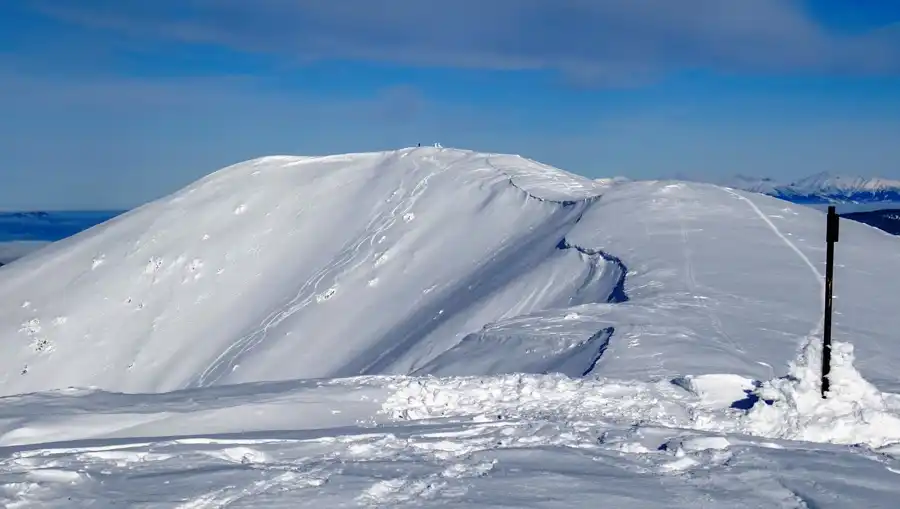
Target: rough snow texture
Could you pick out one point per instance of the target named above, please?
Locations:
(518, 329)
(502, 441)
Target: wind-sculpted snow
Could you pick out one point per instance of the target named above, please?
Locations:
(496, 441)
(518, 329)
(788, 407)
(287, 267)
(407, 261)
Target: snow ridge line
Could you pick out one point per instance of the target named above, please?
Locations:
(618, 295)
(228, 359)
(609, 332)
(564, 203)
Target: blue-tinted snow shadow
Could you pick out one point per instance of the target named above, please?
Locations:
(752, 398)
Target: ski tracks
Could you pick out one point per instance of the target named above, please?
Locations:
(311, 290)
(818, 329)
(693, 286)
(788, 242)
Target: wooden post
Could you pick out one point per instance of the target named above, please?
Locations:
(831, 237)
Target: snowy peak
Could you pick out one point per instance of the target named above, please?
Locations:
(823, 187)
(258, 270)
(834, 184)
(518, 328)
(763, 185)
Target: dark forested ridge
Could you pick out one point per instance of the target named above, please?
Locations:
(887, 220)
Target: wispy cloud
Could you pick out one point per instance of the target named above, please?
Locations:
(607, 41)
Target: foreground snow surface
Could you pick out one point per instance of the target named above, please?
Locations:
(431, 327)
(502, 441)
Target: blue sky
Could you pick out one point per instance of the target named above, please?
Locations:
(111, 103)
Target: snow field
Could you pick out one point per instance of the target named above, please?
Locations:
(435, 327)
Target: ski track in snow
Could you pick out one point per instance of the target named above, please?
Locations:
(693, 285)
(788, 242)
(819, 328)
(309, 291)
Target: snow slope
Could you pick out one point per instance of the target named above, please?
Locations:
(412, 261)
(517, 329)
(332, 266)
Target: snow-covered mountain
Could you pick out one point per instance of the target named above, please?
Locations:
(823, 188)
(435, 327)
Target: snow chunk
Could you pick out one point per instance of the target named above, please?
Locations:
(855, 412)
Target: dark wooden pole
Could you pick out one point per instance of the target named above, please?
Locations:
(831, 237)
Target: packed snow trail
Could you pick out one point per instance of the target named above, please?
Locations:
(786, 240)
(810, 347)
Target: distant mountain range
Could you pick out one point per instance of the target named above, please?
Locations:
(873, 201)
(823, 188)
